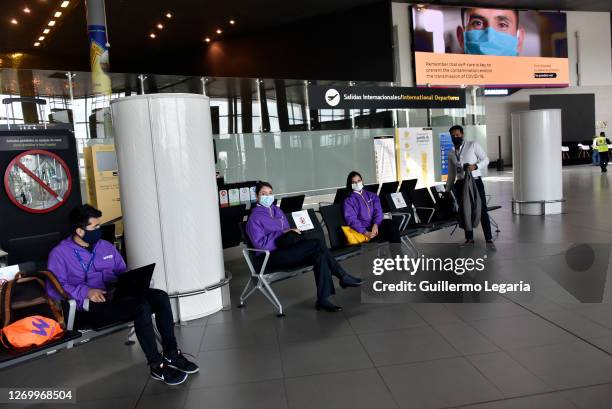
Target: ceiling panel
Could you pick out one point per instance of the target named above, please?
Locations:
(131, 22)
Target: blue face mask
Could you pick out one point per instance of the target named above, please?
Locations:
(266, 201)
(490, 42)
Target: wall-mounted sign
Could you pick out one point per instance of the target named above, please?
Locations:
(446, 145)
(37, 181)
(357, 97)
(20, 143)
(384, 157)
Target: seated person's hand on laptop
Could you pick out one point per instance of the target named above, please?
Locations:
(96, 295)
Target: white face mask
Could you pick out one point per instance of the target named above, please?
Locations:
(357, 187)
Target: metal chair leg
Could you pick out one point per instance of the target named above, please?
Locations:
(272, 297)
(130, 337)
(246, 293)
(494, 224)
(410, 245)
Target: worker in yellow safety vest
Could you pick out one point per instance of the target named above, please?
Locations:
(601, 144)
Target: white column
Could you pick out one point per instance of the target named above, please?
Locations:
(536, 162)
(168, 195)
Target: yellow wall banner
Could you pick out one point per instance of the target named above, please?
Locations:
(415, 155)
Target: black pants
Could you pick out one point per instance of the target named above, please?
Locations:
(604, 158)
(389, 230)
(310, 251)
(484, 213)
(138, 310)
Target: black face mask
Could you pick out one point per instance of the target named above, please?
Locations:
(91, 237)
(457, 140)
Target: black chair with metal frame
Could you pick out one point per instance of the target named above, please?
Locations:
(373, 187)
(290, 204)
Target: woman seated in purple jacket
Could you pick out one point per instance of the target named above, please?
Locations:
(363, 212)
(268, 229)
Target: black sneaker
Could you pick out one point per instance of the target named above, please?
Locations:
(168, 375)
(178, 361)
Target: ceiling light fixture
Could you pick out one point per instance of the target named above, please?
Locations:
(207, 39)
(57, 14)
(168, 15)
(14, 21)
(46, 31)
(232, 22)
(26, 10)
(152, 35)
(64, 4)
(41, 38)
(219, 31)
(160, 26)
(36, 44)
(51, 23)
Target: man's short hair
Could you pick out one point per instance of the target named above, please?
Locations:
(80, 215)
(455, 128)
(465, 9)
(260, 185)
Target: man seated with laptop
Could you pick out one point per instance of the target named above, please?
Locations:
(92, 271)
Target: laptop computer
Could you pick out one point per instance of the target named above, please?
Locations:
(134, 282)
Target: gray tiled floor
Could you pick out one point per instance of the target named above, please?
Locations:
(543, 350)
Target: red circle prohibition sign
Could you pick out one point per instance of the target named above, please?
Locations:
(16, 162)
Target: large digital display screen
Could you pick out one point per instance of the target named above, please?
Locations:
(456, 46)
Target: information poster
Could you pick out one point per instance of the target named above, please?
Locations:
(415, 157)
(384, 156)
(446, 145)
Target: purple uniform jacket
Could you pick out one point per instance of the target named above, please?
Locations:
(265, 225)
(362, 210)
(73, 273)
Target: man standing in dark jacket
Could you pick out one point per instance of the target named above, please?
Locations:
(468, 156)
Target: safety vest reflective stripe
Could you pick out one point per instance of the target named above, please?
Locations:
(602, 144)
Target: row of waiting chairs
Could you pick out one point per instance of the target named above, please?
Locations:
(418, 217)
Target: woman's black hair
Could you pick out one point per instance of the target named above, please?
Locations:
(349, 181)
(260, 185)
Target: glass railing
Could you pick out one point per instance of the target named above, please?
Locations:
(264, 128)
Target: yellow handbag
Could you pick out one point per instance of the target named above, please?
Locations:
(353, 237)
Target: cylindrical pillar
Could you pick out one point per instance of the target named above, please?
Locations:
(98, 46)
(536, 162)
(166, 163)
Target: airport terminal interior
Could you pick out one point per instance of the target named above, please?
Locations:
(332, 204)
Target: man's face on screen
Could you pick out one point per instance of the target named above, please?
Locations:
(490, 32)
(504, 21)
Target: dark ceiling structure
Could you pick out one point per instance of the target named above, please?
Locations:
(180, 46)
(131, 22)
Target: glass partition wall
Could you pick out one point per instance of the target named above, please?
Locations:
(263, 128)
